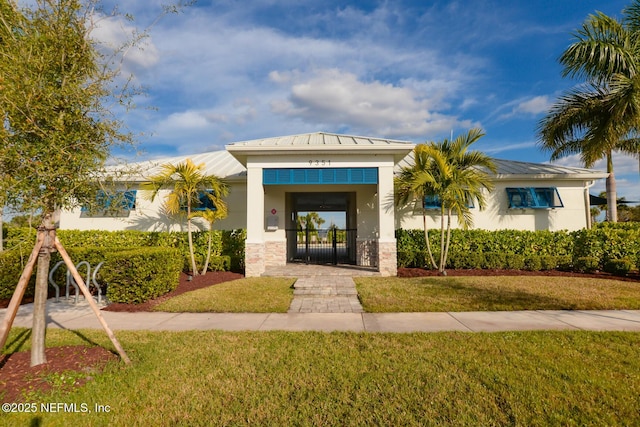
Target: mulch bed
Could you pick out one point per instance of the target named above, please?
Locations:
(18, 377)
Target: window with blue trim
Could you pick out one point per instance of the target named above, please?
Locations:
(534, 198)
(117, 203)
(204, 202)
(434, 202)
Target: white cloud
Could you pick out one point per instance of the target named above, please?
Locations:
(535, 105)
(525, 106)
(115, 34)
(339, 98)
(509, 147)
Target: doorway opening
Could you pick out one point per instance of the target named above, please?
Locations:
(321, 228)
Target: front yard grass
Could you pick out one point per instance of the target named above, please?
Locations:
(439, 294)
(335, 379)
(249, 295)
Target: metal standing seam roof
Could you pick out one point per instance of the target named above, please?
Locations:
(515, 169)
(219, 163)
(317, 140)
(224, 165)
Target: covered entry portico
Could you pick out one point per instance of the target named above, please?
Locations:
(314, 173)
(311, 239)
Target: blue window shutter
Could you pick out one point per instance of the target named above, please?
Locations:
(283, 176)
(371, 175)
(534, 197)
(270, 176)
(342, 175)
(431, 202)
(357, 176)
(328, 176)
(129, 202)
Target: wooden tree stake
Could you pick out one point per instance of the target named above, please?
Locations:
(16, 298)
(89, 298)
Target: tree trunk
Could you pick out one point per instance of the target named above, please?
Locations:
(612, 196)
(1, 231)
(441, 266)
(446, 246)
(426, 238)
(194, 268)
(39, 327)
(206, 262)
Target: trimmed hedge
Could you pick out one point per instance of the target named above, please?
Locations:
(606, 247)
(225, 243)
(138, 275)
(11, 265)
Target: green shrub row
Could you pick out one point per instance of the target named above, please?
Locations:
(227, 246)
(501, 260)
(138, 275)
(614, 248)
(11, 265)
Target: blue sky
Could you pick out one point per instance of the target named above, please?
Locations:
(225, 71)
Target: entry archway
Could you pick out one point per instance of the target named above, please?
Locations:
(321, 227)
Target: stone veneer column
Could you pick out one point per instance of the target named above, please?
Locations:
(253, 259)
(275, 253)
(387, 257)
(254, 250)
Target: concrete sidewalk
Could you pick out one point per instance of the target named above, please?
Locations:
(68, 316)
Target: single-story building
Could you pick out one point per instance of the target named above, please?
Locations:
(276, 182)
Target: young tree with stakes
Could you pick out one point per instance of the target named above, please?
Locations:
(57, 133)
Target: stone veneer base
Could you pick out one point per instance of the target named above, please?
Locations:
(275, 253)
(254, 259)
(387, 258)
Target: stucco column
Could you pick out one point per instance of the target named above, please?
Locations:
(254, 245)
(387, 256)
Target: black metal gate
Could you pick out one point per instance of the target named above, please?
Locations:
(322, 246)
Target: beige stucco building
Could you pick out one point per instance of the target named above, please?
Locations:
(275, 181)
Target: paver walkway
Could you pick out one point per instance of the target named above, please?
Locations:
(325, 294)
(323, 288)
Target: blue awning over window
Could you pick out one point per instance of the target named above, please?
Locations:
(534, 197)
(324, 176)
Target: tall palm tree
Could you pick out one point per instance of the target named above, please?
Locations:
(603, 115)
(187, 182)
(454, 175)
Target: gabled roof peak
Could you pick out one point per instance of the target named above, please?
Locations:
(317, 140)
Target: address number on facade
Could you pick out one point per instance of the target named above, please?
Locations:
(319, 163)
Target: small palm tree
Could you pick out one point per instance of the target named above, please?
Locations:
(211, 216)
(187, 183)
(455, 176)
(603, 116)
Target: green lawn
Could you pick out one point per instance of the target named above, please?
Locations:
(249, 295)
(309, 378)
(381, 294)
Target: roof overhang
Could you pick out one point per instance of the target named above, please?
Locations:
(319, 143)
(241, 153)
(581, 176)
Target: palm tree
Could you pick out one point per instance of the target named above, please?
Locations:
(188, 183)
(603, 115)
(211, 216)
(455, 176)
